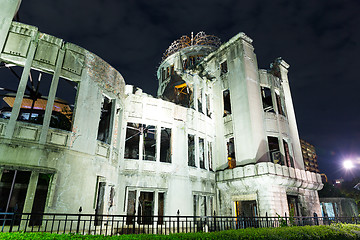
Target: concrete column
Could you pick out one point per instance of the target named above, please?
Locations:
(9, 131)
(51, 97)
(30, 193)
(7, 12)
(299, 162)
(156, 203)
(158, 142)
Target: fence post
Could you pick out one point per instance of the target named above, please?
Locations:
(316, 221)
(214, 221)
(12, 222)
(267, 220)
(178, 220)
(78, 224)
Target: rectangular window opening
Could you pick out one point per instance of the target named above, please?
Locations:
(161, 200)
(132, 140)
(195, 203)
(63, 109)
(227, 104)
(40, 199)
(280, 104)
(224, 67)
(200, 101)
(149, 133)
(208, 111)
(165, 146)
(146, 208)
(267, 99)
(210, 156)
(13, 189)
(274, 150)
(131, 206)
(105, 123)
(202, 153)
(288, 157)
(191, 150)
(231, 153)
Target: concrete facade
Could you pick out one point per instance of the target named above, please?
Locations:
(221, 135)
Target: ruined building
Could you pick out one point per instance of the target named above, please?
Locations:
(221, 135)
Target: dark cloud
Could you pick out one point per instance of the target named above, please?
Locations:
(319, 39)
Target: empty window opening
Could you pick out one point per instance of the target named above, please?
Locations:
(172, 70)
(40, 199)
(211, 205)
(208, 112)
(191, 150)
(227, 104)
(105, 123)
(131, 206)
(195, 203)
(288, 157)
(161, 200)
(280, 104)
(293, 202)
(224, 67)
(149, 150)
(143, 210)
(13, 189)
(111, 196)
(165, 146)
(246, 209)
(35, 98)
(202, 153)
(10, 77)
(99, 210)
(146, 208)
(210, 156)
(274, 150)
(231, 153)
(203, 206)
(63, 109)
(200, 101)
(267, 99)
(132, 140)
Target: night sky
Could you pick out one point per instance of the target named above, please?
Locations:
(319, 39)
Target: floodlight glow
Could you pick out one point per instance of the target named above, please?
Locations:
(348, 164)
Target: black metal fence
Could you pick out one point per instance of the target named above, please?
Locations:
(124, 224)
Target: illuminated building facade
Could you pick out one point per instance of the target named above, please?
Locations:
(221, 135)
(309, 156)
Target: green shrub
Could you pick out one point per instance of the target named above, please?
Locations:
(333, 232)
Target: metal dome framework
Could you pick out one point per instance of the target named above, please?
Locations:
(200, 39)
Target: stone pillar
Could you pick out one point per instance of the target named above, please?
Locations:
(30, 193)
(51, 97)
(283, 67)
(7, 12)
(9, 131)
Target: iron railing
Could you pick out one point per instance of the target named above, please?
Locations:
(125, 224)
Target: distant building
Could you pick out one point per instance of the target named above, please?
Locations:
(221, 135)
(309, 156)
